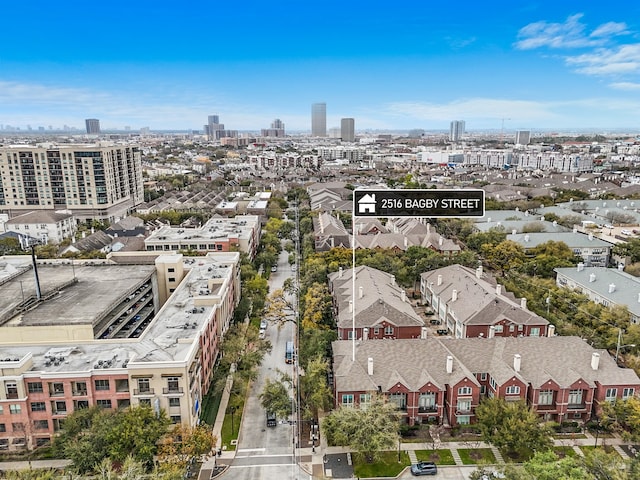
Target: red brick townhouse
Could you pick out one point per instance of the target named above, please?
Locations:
(381, 308)
(443, 379)
(470, 306)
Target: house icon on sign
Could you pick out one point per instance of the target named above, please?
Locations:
(367, 204)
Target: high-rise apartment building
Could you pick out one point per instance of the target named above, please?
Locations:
(319, 120)
(456, 130)
(347, 129)
(102, 182)
(523, 137)
(93, 126)
(215, 130)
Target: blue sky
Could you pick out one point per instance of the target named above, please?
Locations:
(390, 65)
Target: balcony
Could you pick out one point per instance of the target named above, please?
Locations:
(143, 391)
(576, 406)
(547, 408)
(428, 409)
(12, 395)
(172, 390)
(79, 393)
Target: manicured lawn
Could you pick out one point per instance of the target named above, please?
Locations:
(564, 451)
(471, 456)
(386, 466)
(607, 448)
(517, 457)
(441, 457)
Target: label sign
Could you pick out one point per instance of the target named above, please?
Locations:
(418, 203)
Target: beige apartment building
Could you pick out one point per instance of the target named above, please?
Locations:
(101, 181)
(137, 328)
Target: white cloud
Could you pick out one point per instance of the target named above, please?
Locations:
(620, 60)
(570, 34)
(630, 86)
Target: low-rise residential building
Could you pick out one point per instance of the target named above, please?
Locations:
(47, 226)
(380, 310)
(219, 234)
(594, 251)
(468, 305)
(439, 380)
(138, 328)
(607, 286)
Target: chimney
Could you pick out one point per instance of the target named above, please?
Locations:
(517, 360)
(449, 364)
(526, 238)
(454, 295)
(440, 241)
(523, 303)
(580, 267)
(575, 229)
(360, 291)
(612, 287)
(428, 228)
(592, 277)
(551, 330)
(479, 272)
(498, 289)
(406, 242)
(621, 267)
(370, 366)
(439, 280)
(423, 332)
(340, 273)
(403, 296)
(514, 231)
(350, 306)
(492, 331)
(595, 360)
(488, 219)
(590, 236)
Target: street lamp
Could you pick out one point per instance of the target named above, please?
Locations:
(619, 347)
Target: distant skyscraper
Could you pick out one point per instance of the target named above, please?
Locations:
(93, 126)
(276, 130)
(347, 129)
(319, 120)
(215, 130)
(523, 137)
(456, 130)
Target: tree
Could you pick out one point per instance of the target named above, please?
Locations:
(275, 396)
(511, 425)
(546, 466)
(184, 442)
(623, 416)
(315, 393)
(548, 256)
(504, 256)
(367, 430)
(317, 307)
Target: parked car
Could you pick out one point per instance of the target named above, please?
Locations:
(624, 231)
(271, 419)
(424, 468)
(434, 321)
(442, 331)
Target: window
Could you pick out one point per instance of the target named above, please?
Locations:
(483, 376)
(80, 404)
(365, 400)
(464, 406)
(102, 384)
(172, 384)
(145, 401)
(427, 402)
(535, 332)
(3, 427)
(60, 407)
(400, 399)
(103, 403)
(347, 400)
(376, 330)
(41, 424)
(545, 397)
(175, 418)
(350, 335)
(34, 387)
(41, 442)
(493, 383)
(14, 409)
(463, 419)
(464, 391)
(388, 330)
(56, 389)
(11, 388)
(144, 385)
(513, 390)
(610, 395)
(497, 328)
(79, 388)
(17, 427)
(575, 397)
(38, 407)
(171, 269)
(512, 328)
(122, 385)
(172, 279)
(627, 393)
(174, 402)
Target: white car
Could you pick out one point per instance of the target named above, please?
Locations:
(294, 267)
(624, 231)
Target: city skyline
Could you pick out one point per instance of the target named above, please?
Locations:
(538, 65)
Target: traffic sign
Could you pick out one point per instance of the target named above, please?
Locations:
(418, 203)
